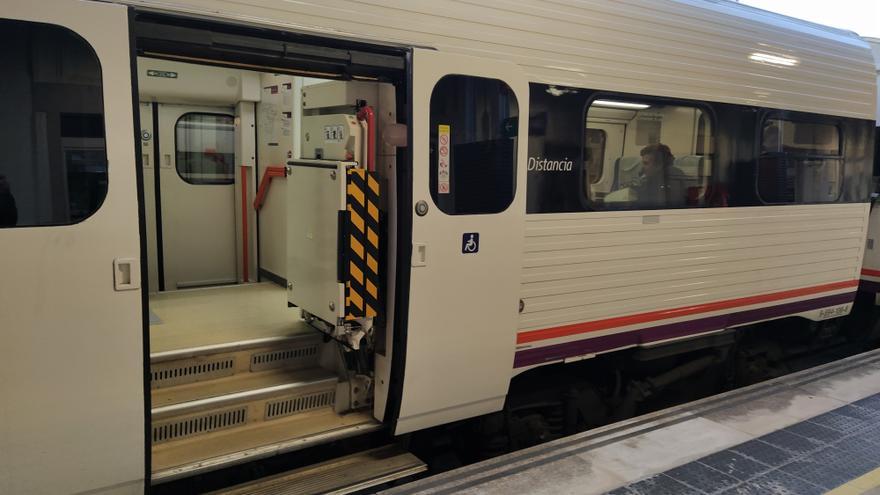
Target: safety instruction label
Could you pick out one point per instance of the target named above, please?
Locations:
(334, 133)
(443, 159)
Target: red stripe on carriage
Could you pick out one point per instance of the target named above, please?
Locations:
(622, 321)
(606, 343)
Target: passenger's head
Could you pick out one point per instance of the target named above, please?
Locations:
(656, 158)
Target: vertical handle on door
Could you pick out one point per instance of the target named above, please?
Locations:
(419, 254)
(166, 160)
(126, 274)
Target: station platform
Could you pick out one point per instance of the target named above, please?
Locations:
(811, 432)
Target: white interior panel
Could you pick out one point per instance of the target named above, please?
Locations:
(277, 136)
(316, 193)
(168, 81)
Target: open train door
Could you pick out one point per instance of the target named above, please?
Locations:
(469, 138)
(71, 328)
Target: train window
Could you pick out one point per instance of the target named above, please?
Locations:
(876, 155)
(594, 154)
(800, 162)
(205, 148)
(656, 155)
(54, 165)
(473, 145)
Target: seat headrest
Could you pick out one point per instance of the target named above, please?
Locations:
(690, 165)
(628, 168)
(628, 163)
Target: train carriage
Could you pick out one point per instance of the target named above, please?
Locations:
(870, 276)
(239, 230)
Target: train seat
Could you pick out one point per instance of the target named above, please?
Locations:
(692, 177)
(626, 170)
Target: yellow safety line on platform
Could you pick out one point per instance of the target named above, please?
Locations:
(860, 485)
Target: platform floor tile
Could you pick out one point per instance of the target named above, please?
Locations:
(813, 456)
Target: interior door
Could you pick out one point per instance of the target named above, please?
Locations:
(71, 328)
(469, 137)
(612, 137)
(197, 193)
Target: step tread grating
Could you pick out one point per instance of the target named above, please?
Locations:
(289, 406)
(173, 373)
(291, 357)
(166, 431)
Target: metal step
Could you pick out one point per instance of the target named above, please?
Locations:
(206, 407)
(184, 366)
(338, 476)
(219, 449)
(235, 384)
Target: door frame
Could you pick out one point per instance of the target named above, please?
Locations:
(159, 33)
(142, 229)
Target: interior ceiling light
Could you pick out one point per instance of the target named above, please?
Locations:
(620, 104)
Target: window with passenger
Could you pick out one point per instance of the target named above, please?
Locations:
(799, 162)
(655, 155)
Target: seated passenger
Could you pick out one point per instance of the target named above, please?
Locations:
(659, 183)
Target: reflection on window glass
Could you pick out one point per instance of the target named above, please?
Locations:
(594, 154)
(800, 162)
(655, 155)
(876, 154)
(205, 145)
(805, 138)
(473, 145)
(54, 165)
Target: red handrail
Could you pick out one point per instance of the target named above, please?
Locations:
(270, 173)
(367, 113)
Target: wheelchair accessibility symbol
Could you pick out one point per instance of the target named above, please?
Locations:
(470, 243)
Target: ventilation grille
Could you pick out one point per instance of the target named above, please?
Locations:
(195, 425)
(284, 358)
(165, 375)
(298, 404)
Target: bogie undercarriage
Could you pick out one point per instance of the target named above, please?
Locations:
(561, 399)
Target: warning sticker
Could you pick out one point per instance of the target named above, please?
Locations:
(443, 159)
(334, 133)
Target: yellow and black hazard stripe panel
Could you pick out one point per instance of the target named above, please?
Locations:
(362, 279)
